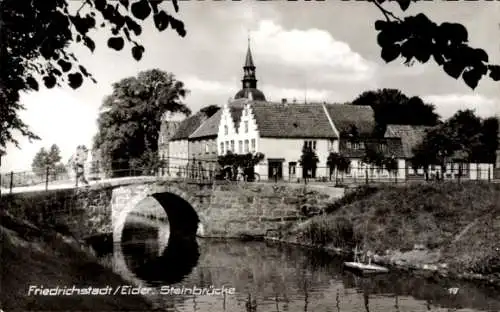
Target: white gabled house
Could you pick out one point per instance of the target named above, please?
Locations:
(280, 131)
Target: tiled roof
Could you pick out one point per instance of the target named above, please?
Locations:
(209, 128)
(275, 120)
(392, 147)
(188, 126)
(344, 116)
(410, 136)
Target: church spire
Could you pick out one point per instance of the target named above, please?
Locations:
(249, 59)
(249, 80)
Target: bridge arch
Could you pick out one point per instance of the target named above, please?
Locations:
(180, 207)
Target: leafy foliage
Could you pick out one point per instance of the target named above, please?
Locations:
(335, 161)
(210, 110)
(130, 120)
(36, 36)
(308, 160)
(391, 164)
(418, 38)
(464, 136)
(436, 149)
(351, 132)
(47, 159)
(489, 139)
(246, 162)
(373, 156)
(391, 106)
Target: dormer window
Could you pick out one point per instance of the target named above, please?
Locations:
(246, 126)
(226, 130)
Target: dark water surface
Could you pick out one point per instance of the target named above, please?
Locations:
(267, 277)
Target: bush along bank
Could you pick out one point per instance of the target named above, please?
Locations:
(449, 229)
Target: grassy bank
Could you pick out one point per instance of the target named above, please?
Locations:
(43, 257)
(450, 225)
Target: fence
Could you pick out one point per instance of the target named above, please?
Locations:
(208, 170)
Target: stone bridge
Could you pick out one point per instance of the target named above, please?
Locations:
(216, 209)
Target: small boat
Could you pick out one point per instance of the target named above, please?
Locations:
(365, 268)
(357, 266)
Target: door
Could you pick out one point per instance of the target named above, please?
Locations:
(275, 169)
(292, 170)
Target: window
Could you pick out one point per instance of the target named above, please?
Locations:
(348, 144)
(253, 145)
(227, 146)
(310, 144)
(240, 147)
(232, 145)
(331, 144)
(246, 146)
(246, 126)
(207, 147)
(222, 148)
(226, 130)
(292, 168)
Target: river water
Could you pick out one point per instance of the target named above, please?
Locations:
(268, 277)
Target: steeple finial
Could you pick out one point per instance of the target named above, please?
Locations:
(249, 58)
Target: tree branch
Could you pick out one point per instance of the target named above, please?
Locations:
(81, 7)
(387, 14)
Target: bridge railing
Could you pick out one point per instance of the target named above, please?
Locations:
(208, 170)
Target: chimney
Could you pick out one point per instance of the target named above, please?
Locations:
(283, 101)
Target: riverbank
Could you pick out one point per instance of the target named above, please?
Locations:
(31, 256)
(445, 229)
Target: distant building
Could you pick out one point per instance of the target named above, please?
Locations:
(178, 150)
(355, 150)
(281, 130)
(411, 136)
(167, 130)
(202, 146)
(457, 166)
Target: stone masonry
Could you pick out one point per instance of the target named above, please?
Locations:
(207, 209)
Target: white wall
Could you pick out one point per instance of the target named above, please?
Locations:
(237, 135)
(178, 156)
(480, 171)
(291, 150)
(358, 170)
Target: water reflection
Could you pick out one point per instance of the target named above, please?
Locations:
(144, 257)
(289, 279)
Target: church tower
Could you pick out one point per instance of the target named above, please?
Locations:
(249, 82)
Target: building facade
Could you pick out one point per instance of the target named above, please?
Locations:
(178, 151)
(203, 146)
(355, 149)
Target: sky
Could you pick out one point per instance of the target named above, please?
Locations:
(322, 51)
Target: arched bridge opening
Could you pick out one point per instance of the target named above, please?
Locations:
(157, 238)
(182, 217)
